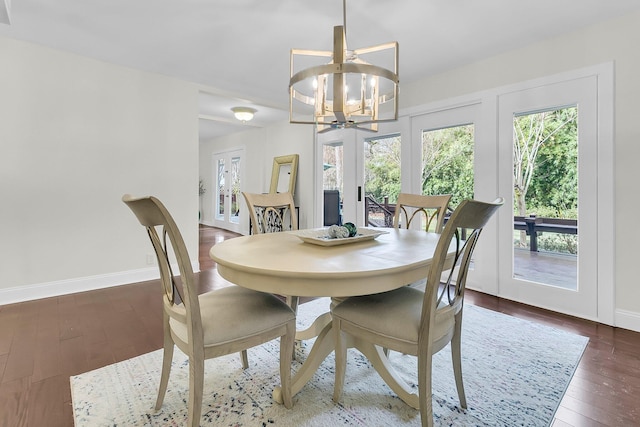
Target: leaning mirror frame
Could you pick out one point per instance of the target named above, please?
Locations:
(282, 161)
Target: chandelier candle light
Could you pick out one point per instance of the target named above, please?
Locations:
(347, 92)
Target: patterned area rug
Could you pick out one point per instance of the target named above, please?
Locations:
(515, 374)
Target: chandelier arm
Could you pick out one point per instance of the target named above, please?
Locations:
(371, 49)
(308, 52)
(345, 68)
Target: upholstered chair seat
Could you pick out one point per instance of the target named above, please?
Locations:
(243, 313)
(404, 306)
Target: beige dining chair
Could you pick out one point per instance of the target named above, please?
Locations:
(426, 212)
(216, 323)
(269, 213)
(419, 323)
(413, 208)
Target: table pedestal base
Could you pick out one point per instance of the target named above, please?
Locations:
(325, 344)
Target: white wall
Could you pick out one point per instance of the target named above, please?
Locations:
(75, 135)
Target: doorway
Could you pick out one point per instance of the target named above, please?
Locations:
(548, 175)
(227, 176)
(354, 162)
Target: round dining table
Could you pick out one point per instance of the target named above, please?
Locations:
(303, 263)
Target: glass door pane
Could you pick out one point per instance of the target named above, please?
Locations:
(447, 162)
(220, 189)
(381, 179)
(332, 182)
(234, 189)
(545, 197)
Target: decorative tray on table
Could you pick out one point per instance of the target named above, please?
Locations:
(320, 236)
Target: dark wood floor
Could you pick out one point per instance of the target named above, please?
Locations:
(44, 342)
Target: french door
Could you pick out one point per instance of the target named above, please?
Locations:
(453, 152)
(227, 170)
(563, 279)
(337, 171)
(489, 120)
(344, 166)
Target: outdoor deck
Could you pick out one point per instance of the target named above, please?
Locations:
(546, 267)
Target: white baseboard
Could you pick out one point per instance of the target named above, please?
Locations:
(623, 318)
(628, 320)
(81, 284)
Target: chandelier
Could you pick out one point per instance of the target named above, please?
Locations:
(349, 91)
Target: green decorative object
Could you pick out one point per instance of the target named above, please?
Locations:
(353, 230)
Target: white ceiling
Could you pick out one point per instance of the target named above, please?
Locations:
(240, 48)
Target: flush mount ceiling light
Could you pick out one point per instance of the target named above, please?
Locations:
(244, 114)
(348, 91)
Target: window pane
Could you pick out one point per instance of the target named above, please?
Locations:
(220, 195)
(545, 196)
(235, 189)
(332, 158)
(447, 162)
(381, 179)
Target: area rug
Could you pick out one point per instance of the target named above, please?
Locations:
(515, 374)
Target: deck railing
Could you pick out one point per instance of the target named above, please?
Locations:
(534, 225)
(378, 214)
(381, 215)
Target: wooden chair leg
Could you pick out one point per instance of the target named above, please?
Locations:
(196, 385)
(341, 360)
(245, 359)
(293, 301)
(287, 343)
(456, 357)
(424, 390)
(167, 357)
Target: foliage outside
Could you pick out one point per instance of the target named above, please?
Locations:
(332, 159)
(545, 154)
(382, 171)
(545, 169)
(545, 172)
(447, 162)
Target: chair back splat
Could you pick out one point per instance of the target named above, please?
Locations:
(468, 219)
(413, 208)
(269, 212)
(160, 225)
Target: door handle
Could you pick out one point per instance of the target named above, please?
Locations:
(359, 193)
